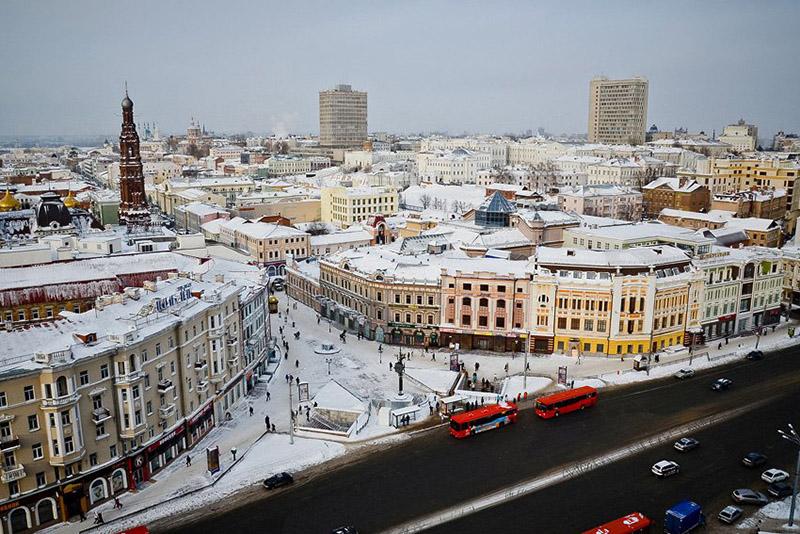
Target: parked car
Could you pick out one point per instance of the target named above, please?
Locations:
(686, 444)
(345, 530)
(730, 514)
(748, 496)
(684, 373)
(754, 459)
(780, 489)
(721, 384)
(755, 355)
(665, 468)
(774, 475)
(278, 480)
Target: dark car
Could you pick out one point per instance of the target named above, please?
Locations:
(278, 480)
(780, 489)
(345, 530)
(686, 444)
(755, 355)
(721, 384)
(753, 459)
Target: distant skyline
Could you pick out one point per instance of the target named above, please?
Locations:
(427, 66)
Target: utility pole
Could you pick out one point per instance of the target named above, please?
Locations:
(792, 436)
(291, 417)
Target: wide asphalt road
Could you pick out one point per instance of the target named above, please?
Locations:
(433, 471)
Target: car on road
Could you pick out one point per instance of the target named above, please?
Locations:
(665, 468)
(686, 444)
(774, 475)
(754, 459)
(278, 480)
(684, 373)
(755, 355)
(345, 530)
(780, 489)
(721, 384)
(730, 514)
(748, 496)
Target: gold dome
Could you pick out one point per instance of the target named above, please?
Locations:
(8, 202)
(70, 201)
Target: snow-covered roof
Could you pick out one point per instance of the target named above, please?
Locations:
(609, 259)
(504, 238)
(260, 230)
(104, 267)
(334, 396)
(676, 184)
(600, 190)
(548, 217)
(338, 238)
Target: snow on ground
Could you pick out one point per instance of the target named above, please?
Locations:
(774, 514)
(591, 382)
(515, 385)
(365, 371)
(440, 381)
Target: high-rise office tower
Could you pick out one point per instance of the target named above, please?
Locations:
(617, 110)
(342, 117)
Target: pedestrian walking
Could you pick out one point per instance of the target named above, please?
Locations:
(251, 410)
(390, 366)
(273, 427)
(83, 514)
(287, 378)
(233, 453)
(318, 318)
(297, 363)
(268, 395)
(266, 422)
(292, 324)
(297, 380)
(117, 504)
(719, 345)
(506, 368)
(98, 519)
(477, 366)
(188, 461)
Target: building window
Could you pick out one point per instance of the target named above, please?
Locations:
(484, 287)
(575, 324)
(397, 298)
(500, 322)
(3, 401)
(100, 430)
(561, 323)
(68, 445)
(93, 459)
(38, 453)
(41, 480)
(588, 324)
(483, 320)
(104, 371)
(33, 423)
(466, 320)
(467, 287)
(29, 394)
(83, 378)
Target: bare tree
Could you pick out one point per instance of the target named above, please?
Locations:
(439, 204)
(317, 228)
(425, 200)
(459, 206)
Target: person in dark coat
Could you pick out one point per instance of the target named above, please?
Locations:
(266, 422)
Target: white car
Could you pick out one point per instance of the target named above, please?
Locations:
(684, 373)
(665, 468)
(774, 475)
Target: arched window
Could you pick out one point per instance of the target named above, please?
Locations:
(466, 301)
(61, 386)
(98, 490)
(45, 511)
(119, 481)
(501, 304)
(483, 302)
(19, 519)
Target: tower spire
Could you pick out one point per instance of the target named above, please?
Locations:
(133, 210)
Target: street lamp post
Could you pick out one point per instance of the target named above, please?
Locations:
(791, 435)
(525, 370)
(291, 417)
(328, 361)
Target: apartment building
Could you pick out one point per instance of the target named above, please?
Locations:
(342, 117)
(345, 206)
(459, 166)
(764, 204)
(678, 193)
(628, 236)
(97, 403)
(268, 244)
(742, 137)
(759, 232)
(602, 201)
(618, 110)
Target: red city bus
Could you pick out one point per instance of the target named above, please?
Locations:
(565, 402)
(485, 418)
(634, 523)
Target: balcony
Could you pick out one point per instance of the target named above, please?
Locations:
(10, 474)
(217, 331)
(100, 414)
(165, 386)
(67, 458)
(9, 443)
(63, 400)
(219, 379)
(129, 378)
(166, 411)
(202, 387)
(200, 366)
(133, 432)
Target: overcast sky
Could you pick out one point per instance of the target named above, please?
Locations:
(449, 66)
